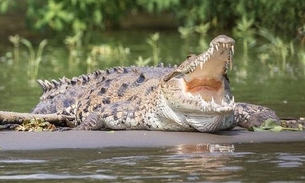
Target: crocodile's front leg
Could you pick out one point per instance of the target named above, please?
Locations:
(250, 115)
(116, 116)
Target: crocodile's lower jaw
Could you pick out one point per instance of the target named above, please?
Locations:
(211, 123)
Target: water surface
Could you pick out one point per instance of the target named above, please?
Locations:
(276, 162)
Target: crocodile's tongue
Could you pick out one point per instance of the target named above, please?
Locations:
(199, 84)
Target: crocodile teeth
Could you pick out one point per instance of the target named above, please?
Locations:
(197, 96)
(222, 102)
(216, 47)
(212, 101)
(232, 101)
(212, 50)
(203, 102)
(209, 56)
(201, 65)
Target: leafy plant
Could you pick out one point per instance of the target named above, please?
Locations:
(272, 126)
(35, 125)
(106, 53)
(5, 4)
(143, 62)
(35, 59)
(153, 42)
(185, 33)
(157, 5)
(16, 42)
(76, 15)
(245, 31)
(202, 29)
(74, 44)
(276, 46)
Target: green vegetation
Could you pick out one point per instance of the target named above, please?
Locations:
(284, 17)
(16, 41)
(153, 42)
(244, 30)
(35, 125)
(5, 5)
(279, 25)
(271, 126)
(34, 59)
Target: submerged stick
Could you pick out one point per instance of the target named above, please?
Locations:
(18, 118)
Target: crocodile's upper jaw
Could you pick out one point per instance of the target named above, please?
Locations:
(198, 88)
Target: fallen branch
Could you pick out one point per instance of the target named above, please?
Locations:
(18, 118)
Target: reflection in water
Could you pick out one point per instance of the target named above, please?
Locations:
(203, 160)
(204, 148)
(183, 163)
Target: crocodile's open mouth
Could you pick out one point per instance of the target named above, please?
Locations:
(206, 74)
(202, 78)
(198, 92)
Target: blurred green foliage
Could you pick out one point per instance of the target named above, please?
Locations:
(5, 5)
(280, 17)
(279, 24)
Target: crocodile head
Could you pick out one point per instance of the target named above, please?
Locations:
(197, 92)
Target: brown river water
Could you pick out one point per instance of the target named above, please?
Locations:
(253, 80)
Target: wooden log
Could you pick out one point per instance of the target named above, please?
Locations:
(7, 117)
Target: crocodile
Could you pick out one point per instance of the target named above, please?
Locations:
(194, 96)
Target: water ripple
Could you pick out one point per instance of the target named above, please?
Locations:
(55, 176)
(23, 161)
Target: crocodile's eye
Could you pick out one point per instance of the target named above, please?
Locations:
(189, 56)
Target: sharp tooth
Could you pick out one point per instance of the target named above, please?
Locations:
(201, 58)
(201, 65)
(199, 97)
(212, 101)
(231, 63)
(216, 47)
(232, 49)
(222, 102)
(232, 101)
(223, 45)
(204, 103)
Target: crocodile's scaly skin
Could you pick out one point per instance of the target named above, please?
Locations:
(194, 96)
